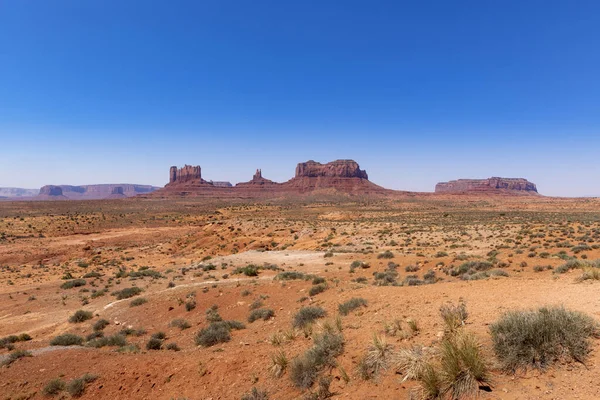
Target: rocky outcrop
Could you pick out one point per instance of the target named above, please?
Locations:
(186, 174)
(334, 169)
(494, 184)
(117, 193)
(257, 181)
(221, 183)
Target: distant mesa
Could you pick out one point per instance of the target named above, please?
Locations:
(91, 192)
(11, 192)
(493, 184)
(341, 175)
(221, 184)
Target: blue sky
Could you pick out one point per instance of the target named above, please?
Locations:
(416, 92)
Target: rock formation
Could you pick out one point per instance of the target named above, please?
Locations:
(221, 184)
(494, 184)
(338, 169)
(341, 175)
(186, 174)
(117, 193)
(51, 190)
(10, 192)
(257, 181)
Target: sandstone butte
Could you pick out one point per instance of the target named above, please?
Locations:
(92, 192)
(343, 176)
(493, 184)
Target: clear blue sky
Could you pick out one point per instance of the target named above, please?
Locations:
(107, 91)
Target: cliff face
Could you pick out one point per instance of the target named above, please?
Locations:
(186, 174)
(493, 184)
(337, 169)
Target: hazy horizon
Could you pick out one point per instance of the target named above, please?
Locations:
(106, 92)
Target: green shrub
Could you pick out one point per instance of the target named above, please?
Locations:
(15, 355)
(351, 305)
(454, 316)
(180, 323)
(307, 315)
(127, 293)
(248, 270)
(386, 254)
(73, 283)
(154, 344)
(76, 387)
(316, 289)
(67, 339)
(100, 325)
(54, 387)
(80, 316)
(262, 313)
(217, 332)
(305, 368)
(290, 275)
(538, 338)
(138, 302)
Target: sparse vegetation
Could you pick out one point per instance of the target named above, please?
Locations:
(351, 305)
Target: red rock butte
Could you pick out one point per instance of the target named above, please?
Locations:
(343, 176)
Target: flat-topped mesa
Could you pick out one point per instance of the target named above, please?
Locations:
(51, 190)
(493, 184)
(186, 174)
(337, 169)
(220, 183)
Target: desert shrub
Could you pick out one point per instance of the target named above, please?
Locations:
(290, 275)
(212, 315)
(430, 382)
(454, 316)
(316, 289)
(172, 347)
(256, 304)
(590, 274)
(429, 277)
(386, 254)
(127, 293)
(138, 302)
(144, 272)
(412, 268)
(80, 316)
(111, 341)
(154, 344)
(377, 358)
(572, 264)
(180, 323)
(386, 278)
(54, 387)
(463, 367)
(279, 363)
(471, 267)
(255, 394)
(262, 313)
(100, 325)
(94, 335)
(190, 305)
(159, 335)
(217, 332)
(15, 355)
(411, 362)
(7, 341)
(248, 270)
(318, 280)
(67, 339)
(93, 274)
(76, 387)
(351, 305)
(305, 368)
(73, 283)
(412, 280)
(537, 338)
(307, 315)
